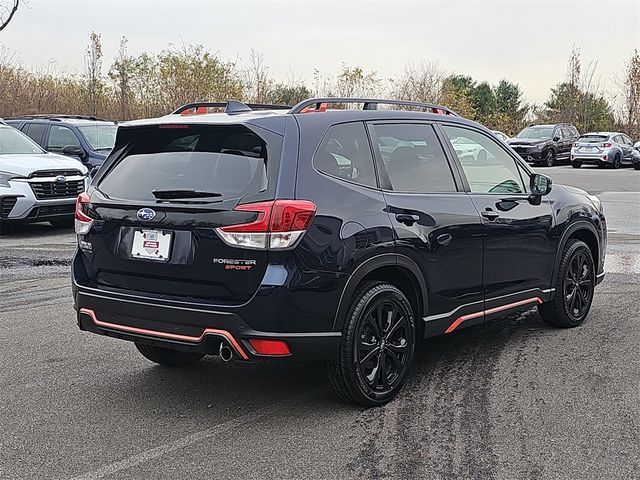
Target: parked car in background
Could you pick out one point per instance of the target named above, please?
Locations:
(89, 139)
(338, 235)
(605, 149)
(502, 136)
(35, 185)
(545, 144)
(636, 156)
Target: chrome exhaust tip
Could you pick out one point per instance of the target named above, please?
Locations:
(226, 354)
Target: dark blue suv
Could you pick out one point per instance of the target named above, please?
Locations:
(88, 139)
(311, 232)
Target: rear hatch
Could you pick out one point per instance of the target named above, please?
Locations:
(591, 144)
(157, 204)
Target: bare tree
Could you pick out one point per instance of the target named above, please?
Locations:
(93, 70)
(630, 89)
(258, 79)
(8, 9)
(422, 83)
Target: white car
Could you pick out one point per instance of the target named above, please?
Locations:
(37, 186)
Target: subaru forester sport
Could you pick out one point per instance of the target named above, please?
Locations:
(340, 234)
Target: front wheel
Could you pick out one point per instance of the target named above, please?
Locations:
(167, 356)
(378, 341)
(636, 166)
(576, 164)
(574, 287)
(549, 158)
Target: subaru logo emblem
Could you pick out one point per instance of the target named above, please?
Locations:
(146, 214)
(61, 179)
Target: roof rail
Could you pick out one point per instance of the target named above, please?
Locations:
(231, 107)
(56, 116)
(316, 104)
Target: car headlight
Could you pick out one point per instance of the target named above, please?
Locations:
(596, 202)
(5, 177)
(540, 147)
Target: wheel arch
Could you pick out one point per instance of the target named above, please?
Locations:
(398, 270)
(580, 230)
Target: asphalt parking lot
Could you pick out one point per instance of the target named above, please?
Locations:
(512, 399)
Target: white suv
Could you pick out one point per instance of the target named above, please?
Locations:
(36, 186)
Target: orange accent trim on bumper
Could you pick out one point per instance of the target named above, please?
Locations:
(469, 316)
(170, 336)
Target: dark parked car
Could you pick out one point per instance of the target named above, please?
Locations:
(317, 233)
(88, 139)
(545, 144)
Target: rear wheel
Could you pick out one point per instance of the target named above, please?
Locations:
(574, 287)
(167, 356)
(616, 161)
(549, 158)
(576, 164)
(636, 166)
(378, 341)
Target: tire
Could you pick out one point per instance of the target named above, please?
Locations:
(549, 158)
(570, 310)
(636, 166)
(167, 356)
(67, 223)
(576, 164)
(353, 376)
(616, 161)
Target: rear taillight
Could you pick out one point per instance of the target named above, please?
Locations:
(605, 145)
(83, 221)
(278, 225)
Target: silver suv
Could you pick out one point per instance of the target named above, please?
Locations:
(35, 185)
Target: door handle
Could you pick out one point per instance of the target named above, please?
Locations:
(490, 215)
(407, 218)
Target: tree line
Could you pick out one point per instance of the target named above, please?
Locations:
(153, 84)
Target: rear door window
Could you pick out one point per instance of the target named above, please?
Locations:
(35, 131)
(228, 160)
(413, 158)
(345, 153)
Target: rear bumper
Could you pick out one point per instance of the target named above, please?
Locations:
(590, 159)
(187, 328)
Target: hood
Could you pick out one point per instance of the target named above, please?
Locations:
(571, 189)
(26, 164)
(528, 141)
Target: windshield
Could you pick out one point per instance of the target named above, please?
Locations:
(536, 132)
(100, 137)
(14, 142)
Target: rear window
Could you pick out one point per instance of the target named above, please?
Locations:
(592, 138)
(228, 160)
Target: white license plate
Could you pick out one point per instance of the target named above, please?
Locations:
(151, 245)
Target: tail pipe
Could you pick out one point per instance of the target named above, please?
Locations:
(226, 353)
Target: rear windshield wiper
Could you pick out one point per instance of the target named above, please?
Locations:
(174, 194)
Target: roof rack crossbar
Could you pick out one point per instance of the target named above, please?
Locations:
(55, 116)
(369, 104)
(230, 107)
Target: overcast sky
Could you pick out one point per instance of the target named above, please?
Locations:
(525, 41)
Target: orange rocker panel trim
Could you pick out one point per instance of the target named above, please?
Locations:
(463, 318)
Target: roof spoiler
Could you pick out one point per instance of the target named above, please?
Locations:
(231, 107)
(320, 104)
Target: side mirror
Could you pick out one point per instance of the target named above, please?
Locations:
(73, 151)
(540, 185)
(556, 138)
